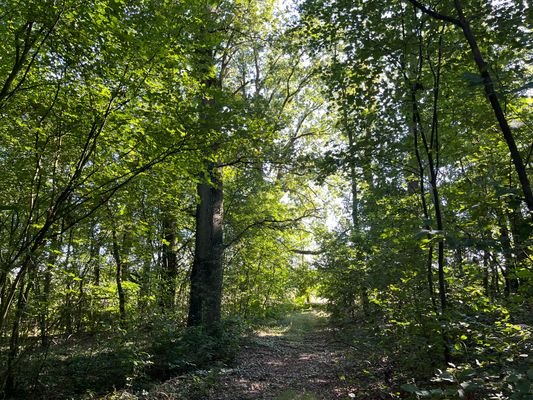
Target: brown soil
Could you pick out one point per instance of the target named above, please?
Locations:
(299, 361)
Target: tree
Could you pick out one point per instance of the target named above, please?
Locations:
(240, 95)
(484, 70)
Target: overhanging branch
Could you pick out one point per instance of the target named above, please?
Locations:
(435, 14)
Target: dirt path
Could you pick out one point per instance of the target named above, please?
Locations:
(299, 360)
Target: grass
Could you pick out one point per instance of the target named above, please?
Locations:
(295, 324)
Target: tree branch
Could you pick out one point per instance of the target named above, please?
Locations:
(308, 252)
(435, 14)
(270, 223)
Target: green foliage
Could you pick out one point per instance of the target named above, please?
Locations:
(98, 364)
(75, 367)
(423, 166)
(176, 350)
(354, 142)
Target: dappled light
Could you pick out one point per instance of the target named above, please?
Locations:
(304, 361)
(266, 199)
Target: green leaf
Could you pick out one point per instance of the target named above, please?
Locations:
(409, 388)
(473, 79)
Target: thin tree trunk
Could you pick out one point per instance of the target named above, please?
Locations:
(169, 264)
(490, 92)
(67, 314)
(459, 261)
(495, 279)
(436, 204)
(144, 288)
(9, 381)
(355, 206)
(511, 283)
(431, 147)
(496, 106)
(425, 210)
(486, 286)
(118, 276)
(353, 175)
(45, 295)
(97, 268)
(520, 231)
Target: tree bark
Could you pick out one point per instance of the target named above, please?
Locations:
(9, 379)
(67, 308)
(425, 210)
(207, 270)
(511, 282)
(118, 276)
(45, 295)
(169, 264)
(486, 286)
(433, 174)
(431, 148)
(355, 206)
(205, 296)
(496, 106)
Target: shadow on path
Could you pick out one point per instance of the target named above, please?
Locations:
(299, 360)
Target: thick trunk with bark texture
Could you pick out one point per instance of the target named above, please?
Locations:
(207, 271)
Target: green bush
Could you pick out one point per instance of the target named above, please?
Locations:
(176, 349)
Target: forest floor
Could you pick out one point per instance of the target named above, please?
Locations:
(298, 359)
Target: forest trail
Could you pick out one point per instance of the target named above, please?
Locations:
(299, 359)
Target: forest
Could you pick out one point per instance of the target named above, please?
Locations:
(265, 199)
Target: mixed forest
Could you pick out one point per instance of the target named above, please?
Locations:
(176, 173)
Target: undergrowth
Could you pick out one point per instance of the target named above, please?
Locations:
(491, 357)
(86, 366)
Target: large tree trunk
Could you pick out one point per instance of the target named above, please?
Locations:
(206, 276)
